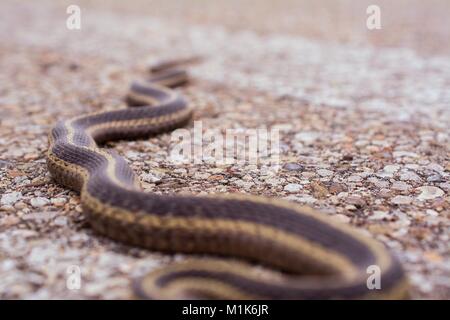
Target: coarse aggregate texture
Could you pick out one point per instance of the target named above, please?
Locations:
(364, 126)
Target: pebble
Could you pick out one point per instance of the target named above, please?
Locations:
(435, 167)
(301, 199)
(429, 193)
(39, 217)
(407, 154)
(379, 215)
(4, 164)
(324, 172)
(31, 156)
(388, 171)
(400, 186)
(410, 176)
(308, 174)
(292, 167)
(347, 157)
(336, 188)
(380, 183)
(391, 168)
(244, 184)
(39, 202)
(7, 208)
(319, 190)
(293, 187)
(434, 178)
(401, 200)
(274, 181)
(432, 213)
(151, 178)
(354, 178)
(11, 198)
(58, 202)
(14, 173)
(201, 175)
(420, 281)
(9, 220)
(133, 155)
(20, 205)
(356, 201)
(180, 171)
(307, 137)
(60, 221)
(7, 264)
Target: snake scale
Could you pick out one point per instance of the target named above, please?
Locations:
(305, 254)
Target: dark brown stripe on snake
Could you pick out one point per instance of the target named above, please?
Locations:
(178, 74)
(151, 92)
(167, 65)
(216, 243)
(278, 290)
(307, 227)
(129, 114)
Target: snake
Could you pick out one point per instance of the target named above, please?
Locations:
(235, 245)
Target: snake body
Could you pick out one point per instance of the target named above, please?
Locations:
(306, 254)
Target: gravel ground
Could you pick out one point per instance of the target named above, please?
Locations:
(364, 136)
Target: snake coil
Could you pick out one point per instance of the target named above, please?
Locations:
(311, 256)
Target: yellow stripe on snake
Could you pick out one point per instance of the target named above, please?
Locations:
(306, 254)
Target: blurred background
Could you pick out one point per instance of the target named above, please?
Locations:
(421, 25)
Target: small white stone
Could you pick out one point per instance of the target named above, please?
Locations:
(324, 172)
(132, 155)
(60, 221)
(384, 174)
(292, 187)
(58, 202)
(429, 193)
(401, 186)
(308, 174)
(409, 176)
(388, 171)
(292, 166)
(435, 167)
(391, 168)
(412, 166)
(39, 202)
(382, 184)
(201, 175)
(407, 154)
(275, 181)
(244, 184)
(307, 137)
(378, 183)
(354, 178)
(379, 215)
(180, 171)
(7, 265)
(401, 200)
(11, 198)
(306, 199)
(147, 177)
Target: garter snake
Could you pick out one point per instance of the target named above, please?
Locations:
(311, 255)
